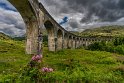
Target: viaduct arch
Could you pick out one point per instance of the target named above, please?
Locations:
(35, 17)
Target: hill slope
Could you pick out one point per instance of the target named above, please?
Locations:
(4, 37)
(12, 55)
(103, 31)
(72, 65)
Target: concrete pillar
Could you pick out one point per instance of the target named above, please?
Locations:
(86, 42)
(32, 37)
(80, 42)
(70, 42)
(65, 45)
(51, 35)
(77, 43)
(51, 43)
(59, 40)
(74, 43)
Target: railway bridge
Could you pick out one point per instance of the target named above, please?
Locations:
(36, 17)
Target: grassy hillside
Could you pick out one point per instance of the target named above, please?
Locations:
(103, 31)
(72, 66)
(12, 56)
(4, 37)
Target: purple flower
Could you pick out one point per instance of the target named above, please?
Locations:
(39, 61)
(36, 58)
(33, 58)
(50, 70)
(45, 69)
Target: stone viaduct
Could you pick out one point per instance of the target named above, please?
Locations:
(35, 17)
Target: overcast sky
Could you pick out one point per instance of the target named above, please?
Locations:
(81, 14)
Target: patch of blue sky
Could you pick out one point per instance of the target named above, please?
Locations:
(6, 5)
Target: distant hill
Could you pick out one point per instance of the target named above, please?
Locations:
(19, 38)
(4, 36)
(113, 31)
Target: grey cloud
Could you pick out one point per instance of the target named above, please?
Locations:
(10, 29)
(7, 31)
(73, 24)
(11, 23)
(106, 11)
(121, 4)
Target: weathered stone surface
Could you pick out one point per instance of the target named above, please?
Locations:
(24, 8)
(59, 40)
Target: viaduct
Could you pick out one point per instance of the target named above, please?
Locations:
(35, 17)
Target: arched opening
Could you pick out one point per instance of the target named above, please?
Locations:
(51, 36)
(59, 39)
(12, 50)
(65, 40)
(83, 42)
(28, 13)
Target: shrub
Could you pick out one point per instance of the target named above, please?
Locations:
(116, 46)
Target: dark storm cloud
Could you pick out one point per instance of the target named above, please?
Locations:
(121, 4)
(73, 24)
(106, 11)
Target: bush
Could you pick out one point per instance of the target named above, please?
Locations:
(114, 47)
(119, 49)
(98, 46)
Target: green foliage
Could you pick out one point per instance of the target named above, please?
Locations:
(119, 49)
(117, 46)
(12, 57)
(70, 65)
(119, 41)
(19, 38)
(45, 41)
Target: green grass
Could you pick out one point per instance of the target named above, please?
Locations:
(12, 56)
(90, 66)
(70, 65)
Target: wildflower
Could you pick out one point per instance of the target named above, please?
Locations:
(37, 58)
(45, 69)
(39, 61)
(50, 70)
